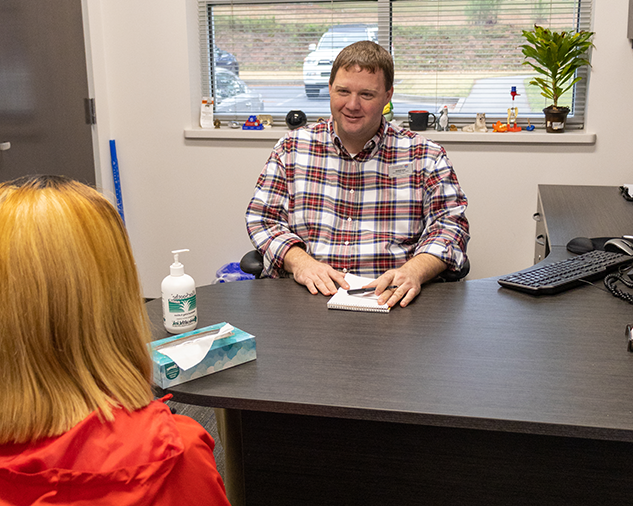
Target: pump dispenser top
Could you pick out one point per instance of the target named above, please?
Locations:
(177, 269)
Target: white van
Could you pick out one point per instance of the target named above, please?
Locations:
(317, 66)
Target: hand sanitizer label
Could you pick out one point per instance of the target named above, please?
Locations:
(179, 304)
(181, 311)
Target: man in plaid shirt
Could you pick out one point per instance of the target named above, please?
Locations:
(358, 194)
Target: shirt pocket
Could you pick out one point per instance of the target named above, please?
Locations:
(398, 209)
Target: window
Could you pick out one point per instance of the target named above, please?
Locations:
(463, 54)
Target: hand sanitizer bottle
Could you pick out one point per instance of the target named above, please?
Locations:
(180, 313)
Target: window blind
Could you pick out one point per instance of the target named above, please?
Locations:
(262, 57)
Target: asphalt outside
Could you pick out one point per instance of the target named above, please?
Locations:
(490, 95)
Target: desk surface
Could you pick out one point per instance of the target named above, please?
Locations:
(584, 211)
(466, 355)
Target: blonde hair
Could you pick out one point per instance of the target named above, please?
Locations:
(73, 326)
(367, 55)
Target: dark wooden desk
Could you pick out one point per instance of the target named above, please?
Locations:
(474, 394)
(564, 212)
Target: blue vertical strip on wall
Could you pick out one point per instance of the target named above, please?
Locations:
(117, 179)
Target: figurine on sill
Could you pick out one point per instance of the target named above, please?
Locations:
(513, 114)
(387, 112)
(499, 127)
(479, 125)
(442, 122)
(252, 123)
(266, 120)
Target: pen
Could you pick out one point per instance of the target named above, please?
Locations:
(357, 291)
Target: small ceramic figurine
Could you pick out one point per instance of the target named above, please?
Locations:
(442, 122)
(479, 125)
(530, 126)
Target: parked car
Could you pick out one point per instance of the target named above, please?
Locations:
(317, 66)
(233, 96)
(226, 60)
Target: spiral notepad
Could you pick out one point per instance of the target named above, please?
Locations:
(362, 302)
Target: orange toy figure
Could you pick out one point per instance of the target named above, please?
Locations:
(499, 127)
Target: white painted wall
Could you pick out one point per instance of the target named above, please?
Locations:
(192, 193)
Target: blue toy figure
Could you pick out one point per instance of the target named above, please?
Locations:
(442, 122)
(252, 123)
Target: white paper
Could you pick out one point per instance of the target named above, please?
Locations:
(361, 302)
(357, 281)
(191, 353)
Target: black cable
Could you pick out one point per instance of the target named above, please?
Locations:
(624, 191)
(610, 282)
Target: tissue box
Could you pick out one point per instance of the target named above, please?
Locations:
(224, 353)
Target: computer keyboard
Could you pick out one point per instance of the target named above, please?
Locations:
(565, 274)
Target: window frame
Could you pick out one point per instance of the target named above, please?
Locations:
(575, 121)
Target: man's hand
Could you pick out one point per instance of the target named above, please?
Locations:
(316, 276)
(408, 278)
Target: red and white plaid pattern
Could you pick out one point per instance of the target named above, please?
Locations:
(364, 214)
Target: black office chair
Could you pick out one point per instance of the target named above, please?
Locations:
(253, 263)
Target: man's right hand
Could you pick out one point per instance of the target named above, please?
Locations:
(314, 275)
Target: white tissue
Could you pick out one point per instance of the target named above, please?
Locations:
(191, 353)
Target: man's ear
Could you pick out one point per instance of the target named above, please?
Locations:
(390, 95)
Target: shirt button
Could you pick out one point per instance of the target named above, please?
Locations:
(349, 219)
(351, 191)
(346, 243)
(345, 270)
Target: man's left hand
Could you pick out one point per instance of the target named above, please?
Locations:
(409, 279)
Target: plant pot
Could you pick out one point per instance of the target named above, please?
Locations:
(555, 118)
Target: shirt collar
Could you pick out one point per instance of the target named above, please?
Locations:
(371, 146)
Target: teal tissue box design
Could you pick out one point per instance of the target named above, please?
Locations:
(224, 353)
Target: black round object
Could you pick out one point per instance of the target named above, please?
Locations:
(296, 119)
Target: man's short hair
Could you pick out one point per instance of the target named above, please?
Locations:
(368, 56)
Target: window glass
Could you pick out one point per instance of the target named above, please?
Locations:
(462, 54)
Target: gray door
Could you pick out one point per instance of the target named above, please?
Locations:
(43, 86)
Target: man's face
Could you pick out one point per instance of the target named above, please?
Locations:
(357, 99)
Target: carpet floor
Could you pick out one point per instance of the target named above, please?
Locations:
(205, 417)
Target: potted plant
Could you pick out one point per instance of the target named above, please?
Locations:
(556, 56)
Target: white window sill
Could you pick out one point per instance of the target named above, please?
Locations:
(523, 137)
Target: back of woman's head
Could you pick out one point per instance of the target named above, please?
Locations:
(73, 328)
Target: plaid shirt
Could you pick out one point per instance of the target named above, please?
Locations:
(362, 214)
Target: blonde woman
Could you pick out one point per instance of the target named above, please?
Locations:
(77, 419)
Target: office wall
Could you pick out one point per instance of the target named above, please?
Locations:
(192, 194)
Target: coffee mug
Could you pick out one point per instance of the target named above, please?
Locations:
(419, 120)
